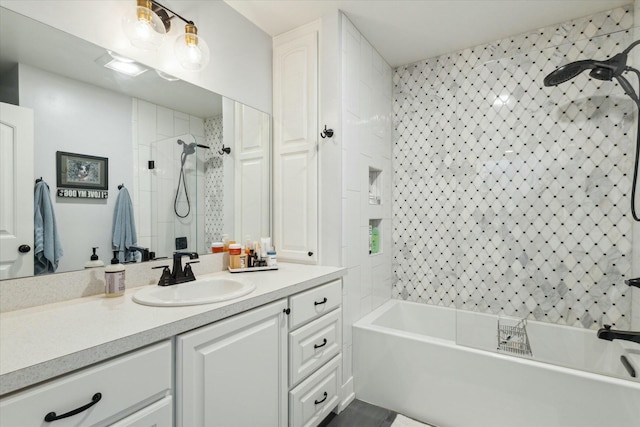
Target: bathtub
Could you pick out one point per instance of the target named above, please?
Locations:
(406, 359)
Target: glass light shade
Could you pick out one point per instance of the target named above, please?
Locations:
(191, 50)
(143, 27)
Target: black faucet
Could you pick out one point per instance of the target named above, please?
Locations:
(144, 252)
(609, 334)
(178, 275)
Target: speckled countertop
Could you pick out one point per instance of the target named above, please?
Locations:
(43, 342)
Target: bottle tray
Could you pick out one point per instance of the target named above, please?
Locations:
(250, 269)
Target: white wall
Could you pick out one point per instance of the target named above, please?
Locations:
(65, 120)
(366, 142)
(240, 66)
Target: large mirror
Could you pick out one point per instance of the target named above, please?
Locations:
(195, 165)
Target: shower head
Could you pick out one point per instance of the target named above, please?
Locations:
(190, 148)
(601, 70)
(609, 69)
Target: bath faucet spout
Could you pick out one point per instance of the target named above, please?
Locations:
(609, 334)
(180, 275)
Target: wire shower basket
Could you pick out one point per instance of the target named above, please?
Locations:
(512, 336)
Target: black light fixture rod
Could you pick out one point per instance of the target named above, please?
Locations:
(186, 21)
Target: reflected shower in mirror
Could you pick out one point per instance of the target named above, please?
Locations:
(80, 106)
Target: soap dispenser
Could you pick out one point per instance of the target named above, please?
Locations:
(114, 277)
(94, 261)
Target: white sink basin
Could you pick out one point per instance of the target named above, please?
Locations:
(200, 291)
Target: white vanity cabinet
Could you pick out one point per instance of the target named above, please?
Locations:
(295, 145)
(315, 359)
(130, 390)
(234, 372)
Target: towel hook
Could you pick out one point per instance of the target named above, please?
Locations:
(38, 180)
(224, 150)
(326, 133)
(121, 186)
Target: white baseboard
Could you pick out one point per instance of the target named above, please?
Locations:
(347, 394)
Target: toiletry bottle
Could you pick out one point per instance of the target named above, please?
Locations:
(234, 255)
(94, 261)
(225, 243)
(375, 240)
(272, 259)
(114, 277)
(265, 245)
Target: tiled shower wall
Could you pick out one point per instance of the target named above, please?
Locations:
(214, 174)
(509, 197)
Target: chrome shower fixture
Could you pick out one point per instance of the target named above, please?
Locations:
(609, 69)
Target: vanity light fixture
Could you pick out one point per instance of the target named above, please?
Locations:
(147, 27)
(192, 51)
(144, 27)
(121, 64)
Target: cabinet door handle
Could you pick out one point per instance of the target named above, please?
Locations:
(324, 342)
(317, 402)
(287, 311)
(324, 300)
(51, 416)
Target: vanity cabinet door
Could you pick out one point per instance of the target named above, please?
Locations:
(234, 372)
(295, 144)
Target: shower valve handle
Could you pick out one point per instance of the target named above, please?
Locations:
(633, 282)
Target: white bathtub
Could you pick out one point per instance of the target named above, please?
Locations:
(406, 359)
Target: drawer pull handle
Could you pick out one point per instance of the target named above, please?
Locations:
(317, 402)
(51, 416)
(324, 342)
(324, 300)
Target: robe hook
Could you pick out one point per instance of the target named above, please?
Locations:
(224, 150)
(326, 133)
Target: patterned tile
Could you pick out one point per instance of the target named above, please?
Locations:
(509, 197)
(214, 174)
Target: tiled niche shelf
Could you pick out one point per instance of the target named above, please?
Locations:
(375, 186)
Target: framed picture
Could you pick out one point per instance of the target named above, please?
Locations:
(82, 171)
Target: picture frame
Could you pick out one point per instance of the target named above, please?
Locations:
(82, 171)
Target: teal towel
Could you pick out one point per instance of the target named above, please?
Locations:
(124, 227)
(48, 249)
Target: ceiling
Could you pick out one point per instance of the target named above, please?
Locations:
(406, 31)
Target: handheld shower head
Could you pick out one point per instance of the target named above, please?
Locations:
(190, 148)
(568, 71)
(601, 70)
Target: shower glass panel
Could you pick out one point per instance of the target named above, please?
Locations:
(540, 179)
(172, 182)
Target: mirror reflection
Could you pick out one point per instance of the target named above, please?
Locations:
(195, 165)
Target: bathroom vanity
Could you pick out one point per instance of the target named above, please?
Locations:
(272, 357)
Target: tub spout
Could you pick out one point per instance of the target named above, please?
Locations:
(609, 334)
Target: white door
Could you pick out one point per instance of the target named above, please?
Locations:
(16, 191)
(295, 151)
(234, 372)
(251, 156)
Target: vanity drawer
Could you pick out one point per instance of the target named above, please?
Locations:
(126, 384)
(313, 303)
(159, 414)
(313, 345)
(314, 398)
